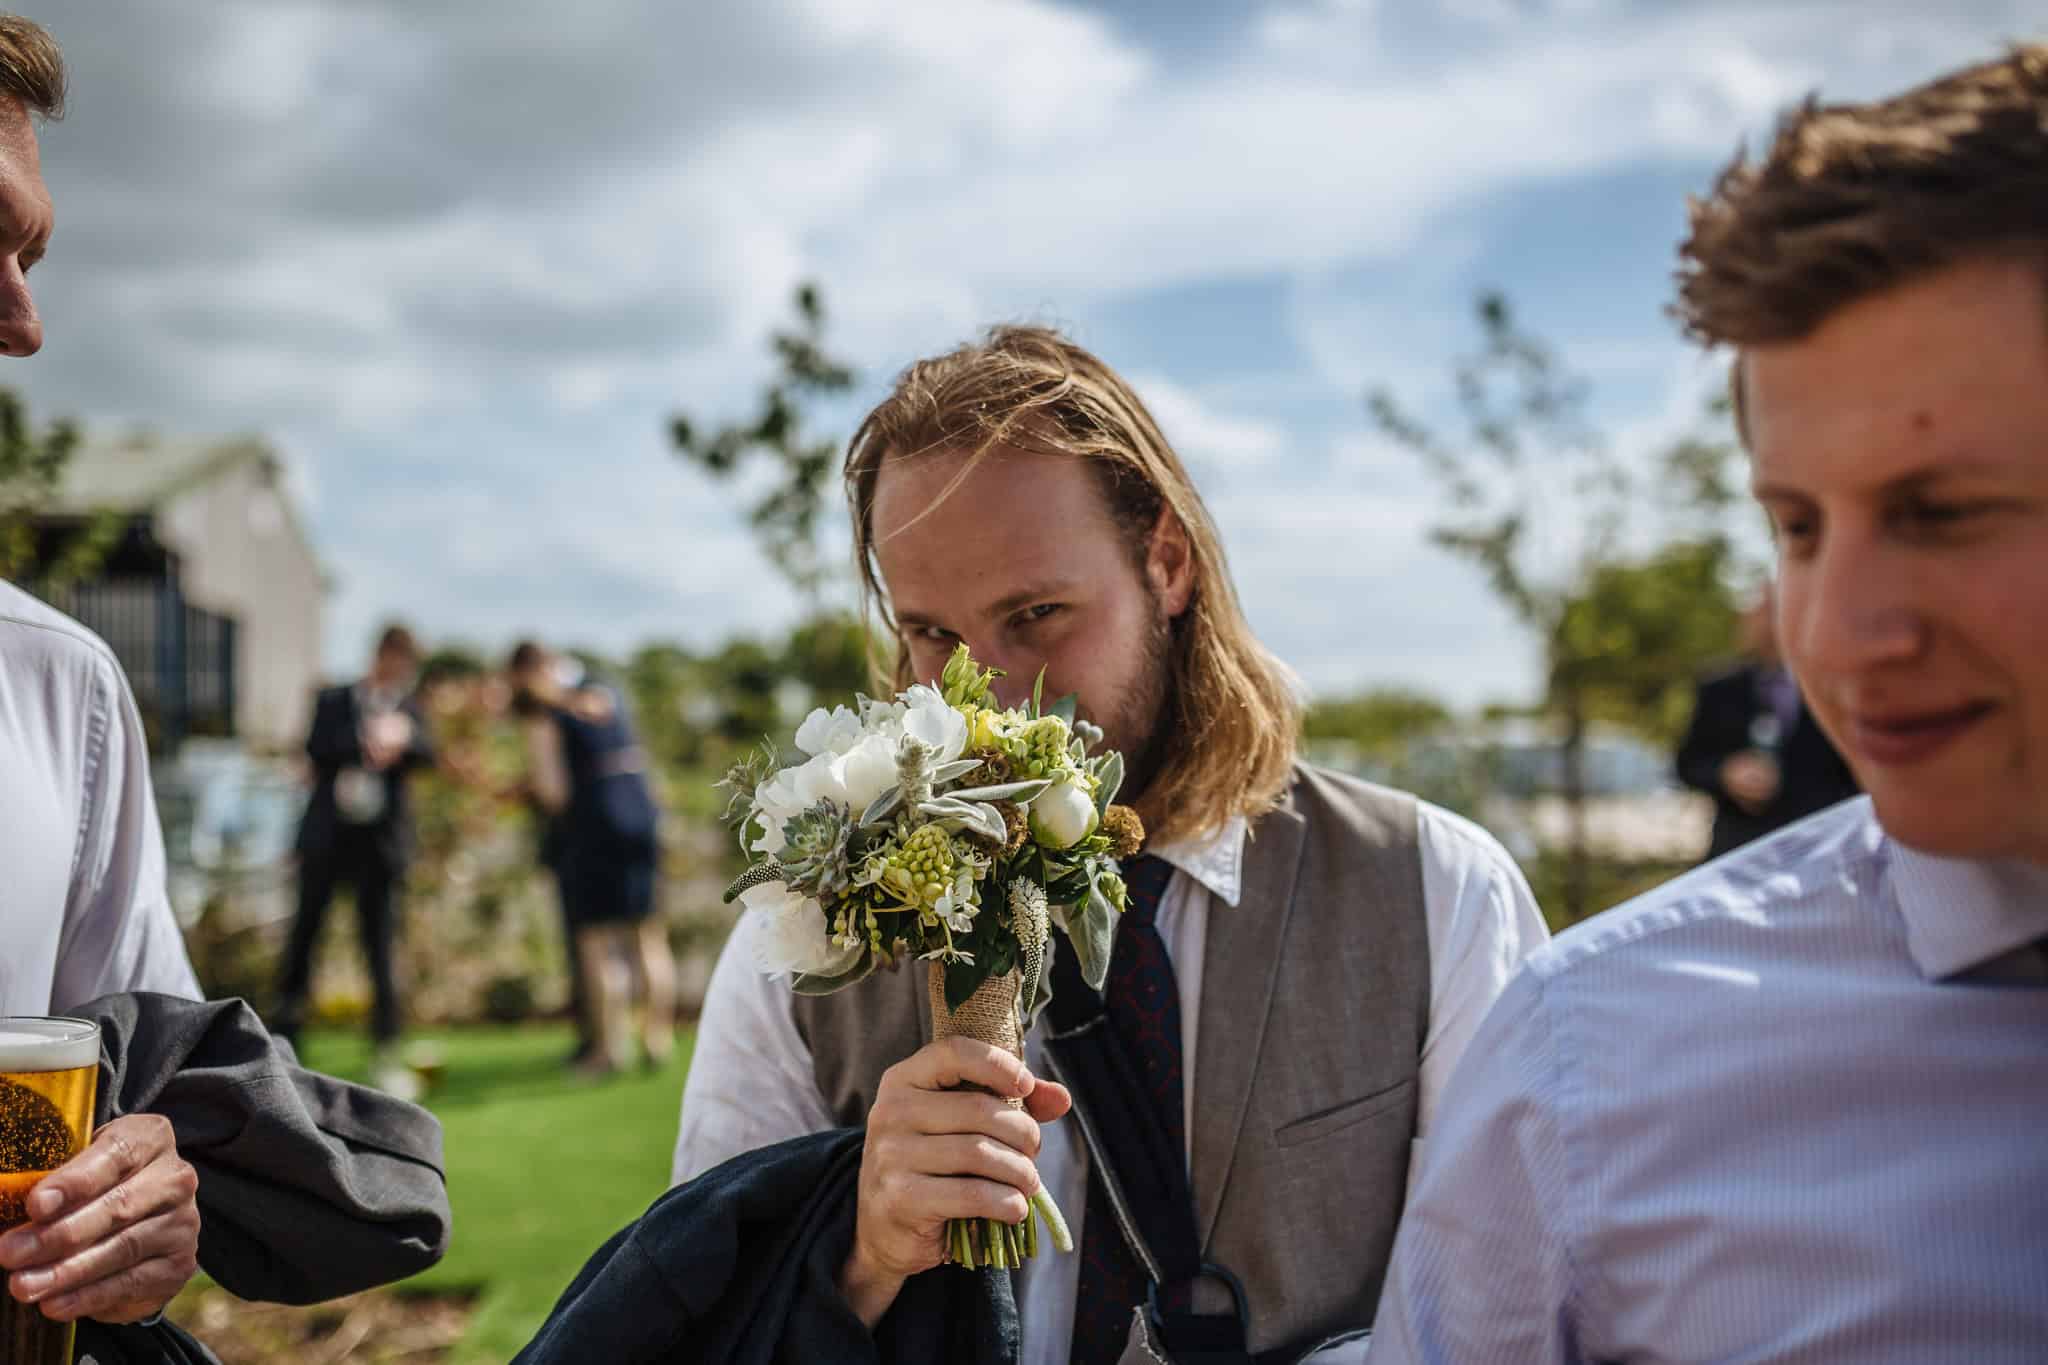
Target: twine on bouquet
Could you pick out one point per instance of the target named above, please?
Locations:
(992, 1015)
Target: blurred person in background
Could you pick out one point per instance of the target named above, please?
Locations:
(588, 774)
(1754, 747)
(367, 739)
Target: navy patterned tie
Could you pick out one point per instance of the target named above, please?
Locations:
(1143, 1003)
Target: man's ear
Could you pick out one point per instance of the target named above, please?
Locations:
(1170, 563)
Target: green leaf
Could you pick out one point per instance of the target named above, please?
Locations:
(956, 814)
(963, 979)
(1067, 707)
(1091, 928)
(958, 768)
(1110, 772)
(882, 807)
(1009, 791)
(1038, 694)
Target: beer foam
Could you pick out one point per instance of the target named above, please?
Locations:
(47, 1044)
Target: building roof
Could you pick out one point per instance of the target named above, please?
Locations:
(141, 472)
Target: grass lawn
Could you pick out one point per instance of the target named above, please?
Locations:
(542, 1168)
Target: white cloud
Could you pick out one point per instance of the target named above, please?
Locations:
(419, 231)
(1205, 434)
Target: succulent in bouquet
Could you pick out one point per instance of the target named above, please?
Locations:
(941, 828)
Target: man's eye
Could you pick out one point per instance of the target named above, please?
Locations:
(1940, 516)
(1792, 531)
(1039, 612)
(936, 635)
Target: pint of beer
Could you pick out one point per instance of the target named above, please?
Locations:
(48, 1071)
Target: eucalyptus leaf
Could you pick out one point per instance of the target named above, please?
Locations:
(1067, 707)
(811, 983)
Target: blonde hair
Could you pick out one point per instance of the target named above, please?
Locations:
(1853, 199)
(31, 66)
(1232, 713)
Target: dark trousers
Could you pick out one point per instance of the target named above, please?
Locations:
(579, 998)
(376, 919)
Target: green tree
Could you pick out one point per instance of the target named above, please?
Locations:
(786, 517)
(1538, 502)
(1381, 722)
(31, 467)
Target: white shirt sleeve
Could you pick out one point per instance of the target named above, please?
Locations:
(119, 931)
(1483, 921)
(751, 1081)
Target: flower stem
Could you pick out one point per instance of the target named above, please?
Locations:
(1055, 1221)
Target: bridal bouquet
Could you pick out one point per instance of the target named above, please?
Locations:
(943, 828)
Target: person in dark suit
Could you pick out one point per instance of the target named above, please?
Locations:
(367, 738)
(1754, 747)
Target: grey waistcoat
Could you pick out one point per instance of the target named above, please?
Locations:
(1315, 1005)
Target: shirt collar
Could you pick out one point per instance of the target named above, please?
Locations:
(1963, 912)
(1216, 860)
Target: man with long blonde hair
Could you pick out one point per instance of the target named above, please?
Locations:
(1304, 957)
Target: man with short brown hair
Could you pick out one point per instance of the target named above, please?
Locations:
(1792, 1107)
(115, 1232)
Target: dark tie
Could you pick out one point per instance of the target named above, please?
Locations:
(1143, 1003)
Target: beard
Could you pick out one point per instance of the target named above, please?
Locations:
(1134, 721)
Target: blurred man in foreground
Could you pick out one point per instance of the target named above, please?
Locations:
(311, 1188)
(1791, 1107)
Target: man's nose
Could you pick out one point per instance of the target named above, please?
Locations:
(1857, 607)
(21, 330)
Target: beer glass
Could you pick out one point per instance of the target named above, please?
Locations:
(48, 1071)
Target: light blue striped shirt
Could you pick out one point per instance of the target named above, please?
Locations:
(1753, 1116)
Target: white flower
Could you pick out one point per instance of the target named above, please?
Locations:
(867, 770)
(829, 732)
(1063, 814)
(928, 717)
(821, 779)
(791, 933)
(775, 801)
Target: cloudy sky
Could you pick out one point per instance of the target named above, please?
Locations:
(460, 262)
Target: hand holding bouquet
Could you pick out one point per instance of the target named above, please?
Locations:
(943, 828)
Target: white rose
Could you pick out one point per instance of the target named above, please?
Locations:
(790, 933)
(829, 732)
(1063, 815)
(929, 718)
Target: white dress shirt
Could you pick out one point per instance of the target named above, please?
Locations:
(751, 1080)
(83, 907)
(1790, 1108)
